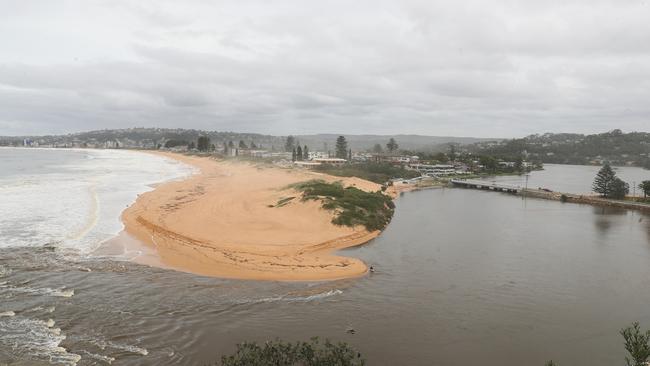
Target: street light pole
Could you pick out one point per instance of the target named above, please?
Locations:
(526, 187)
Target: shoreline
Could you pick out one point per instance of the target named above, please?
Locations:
(223, 221)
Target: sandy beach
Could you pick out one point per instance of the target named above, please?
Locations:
(219, 222)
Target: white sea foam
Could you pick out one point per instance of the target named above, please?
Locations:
(104, 344)
(7, 313)
(4, 271)
(34, 339)
(295, 298)
(48, 309)
(94, 356)
(73, 198)
(60, 292)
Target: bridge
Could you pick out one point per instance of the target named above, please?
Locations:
(482, 184)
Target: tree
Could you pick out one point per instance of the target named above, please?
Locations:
(299, 153)
(519, 164)
(242, 144)
(174, 143)
(490, 163)
(620, 189)
(191, 146)
(290, 143)
(341, 147)
(377, 149)
(604, 180)
(452, 152)
(253, 146)
(305, 153)
(637, 345)
(231, 145)
(645, 188)
(392, 145)
(293, 154)
(277, 352)
(203, 143)
(350, 155)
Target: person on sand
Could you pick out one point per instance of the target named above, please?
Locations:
(372, 269)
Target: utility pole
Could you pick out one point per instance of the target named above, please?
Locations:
(526, 188)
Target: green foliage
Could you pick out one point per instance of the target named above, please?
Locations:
(315, 189)
(392, 145)
(290, 143)
(377, 149)
(203, 143)
(374, 172)
(550, 363)
(373, 210)
(603, 180)
(283, 202)
(564, 198)
(305, 153)
(645, 188)
(609, 185)
(341, 147)
(279, 353)
(242, 144)
(637, 345)
(620, 189)
(565, 148)
(452, 152)
(489, 163)
(299, 155)
(175, 143)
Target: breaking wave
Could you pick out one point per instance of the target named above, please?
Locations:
(294, 298)
(60, 292)
(33, 339)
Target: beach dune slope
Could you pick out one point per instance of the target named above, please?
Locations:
(225, 221)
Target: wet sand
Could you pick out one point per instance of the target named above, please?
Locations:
(219, 222)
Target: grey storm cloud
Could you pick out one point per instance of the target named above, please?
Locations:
(470, 68)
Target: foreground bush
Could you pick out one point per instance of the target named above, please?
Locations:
(279, 353)
(637, 345)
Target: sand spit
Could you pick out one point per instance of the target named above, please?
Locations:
(220, 223)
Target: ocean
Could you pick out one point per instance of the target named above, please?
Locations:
(66, 202)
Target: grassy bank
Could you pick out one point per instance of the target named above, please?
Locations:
(352, 206)
(374, 172)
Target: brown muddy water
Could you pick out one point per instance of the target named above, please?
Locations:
(463, 277)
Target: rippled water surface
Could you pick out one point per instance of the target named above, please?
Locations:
(463, 277)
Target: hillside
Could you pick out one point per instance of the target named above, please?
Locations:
(616, 147)
(152, 137)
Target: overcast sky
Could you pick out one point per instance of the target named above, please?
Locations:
(463, 68)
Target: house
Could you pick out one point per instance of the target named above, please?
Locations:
(332, 161)
(318, 155)
(434, 169)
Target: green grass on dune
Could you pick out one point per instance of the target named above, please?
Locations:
(374, 172)
(373, 210)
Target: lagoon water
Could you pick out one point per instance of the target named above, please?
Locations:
(576, 179)
(463, 277)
